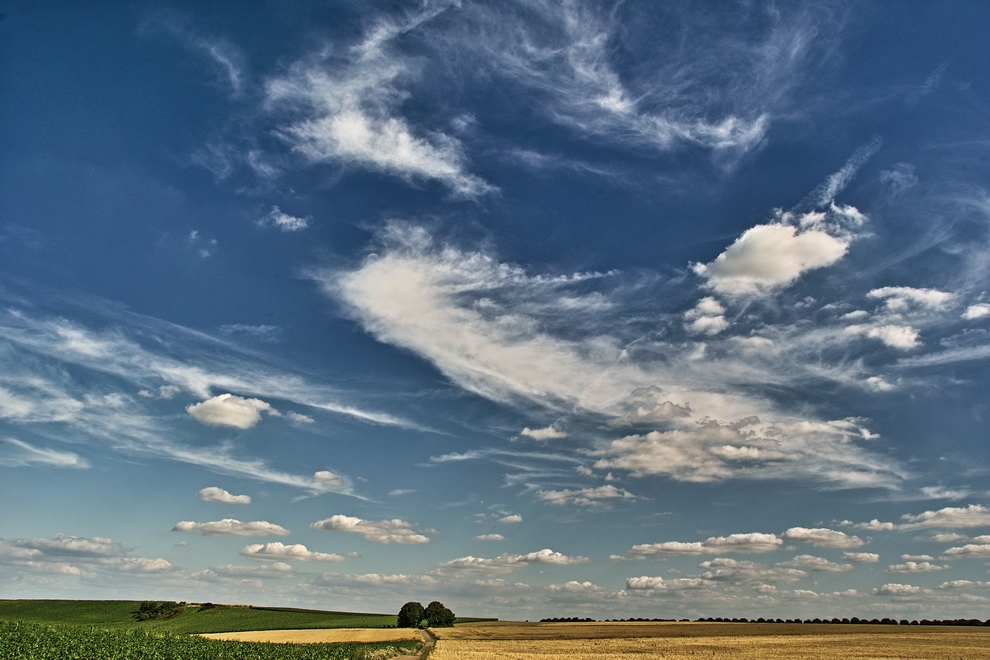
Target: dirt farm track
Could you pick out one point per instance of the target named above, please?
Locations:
(695, 641)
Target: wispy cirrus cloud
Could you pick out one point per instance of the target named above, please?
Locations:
(718, 88)
(15, 453)
(344, 109)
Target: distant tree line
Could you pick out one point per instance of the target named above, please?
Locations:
(853, 620)
(434, 615)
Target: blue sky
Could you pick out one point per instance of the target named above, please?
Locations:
(536, 308)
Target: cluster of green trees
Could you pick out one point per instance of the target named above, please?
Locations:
(434, 615)
(150, 610)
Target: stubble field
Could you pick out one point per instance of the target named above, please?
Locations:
(636, 641)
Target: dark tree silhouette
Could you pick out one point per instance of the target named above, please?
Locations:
(410, 615)
(438, 615)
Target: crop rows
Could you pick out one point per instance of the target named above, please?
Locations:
(26, 641)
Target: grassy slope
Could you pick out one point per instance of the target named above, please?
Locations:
(119, 614)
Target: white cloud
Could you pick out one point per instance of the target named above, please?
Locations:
(379, 531)
(903, 337)
(822, 538)
(332, 481)
(278, 551)
(812, 563)
(734, 571)
(349, 107)
(506, 563)
(899, 299)
(746, 543)
(515, 338)
(283, 221)
(229, 410)
(215, 494)
(712, 451)
(968, 551)
(299, 418)
(62, 545)
(15, 453)
(915, 567)
(977, 311)
(894, 589)
(769, 256)
(274, 570)
(490, 537)
(917, 558)
(861, 557)
(91, 558)
(513, 518)
(707, 317)
(876, 526)
(548, 433)
(231, 527)
(600, 496)
(974, 515)
(948, 537)
(658, 583)
(963, 584)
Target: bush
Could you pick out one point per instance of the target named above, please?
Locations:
(410, 615)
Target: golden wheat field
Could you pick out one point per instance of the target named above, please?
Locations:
(328, 635)
(696, 641)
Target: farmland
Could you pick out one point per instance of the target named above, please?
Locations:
(33, 641)
(119, 614)
(673, 641)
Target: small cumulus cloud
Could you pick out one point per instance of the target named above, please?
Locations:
(548, 433)
(861, 557)
(231, 527)
(513, 518)
(812, 563)
(915, 567)
(898, 299)
(278, 551)
(215, 494)
(490, 537)
(279, 220)
(755, 542)
(590, 497)
(707, 317)
(506, 563)
(771, 256)
(230, 410)
(977, 311)
(822, 538)
(378, 531)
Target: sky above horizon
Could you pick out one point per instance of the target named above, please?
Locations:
(536, 308)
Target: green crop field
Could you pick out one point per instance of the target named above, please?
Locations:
(33, 641)
(119, 614)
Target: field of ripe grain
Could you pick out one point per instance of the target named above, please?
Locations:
(331, 635)
(694, 641)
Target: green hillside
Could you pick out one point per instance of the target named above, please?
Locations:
(194, 619)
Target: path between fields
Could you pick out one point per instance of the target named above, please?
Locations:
(428, 642)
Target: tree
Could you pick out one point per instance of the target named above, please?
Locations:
(438, 615)
(410, 615)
